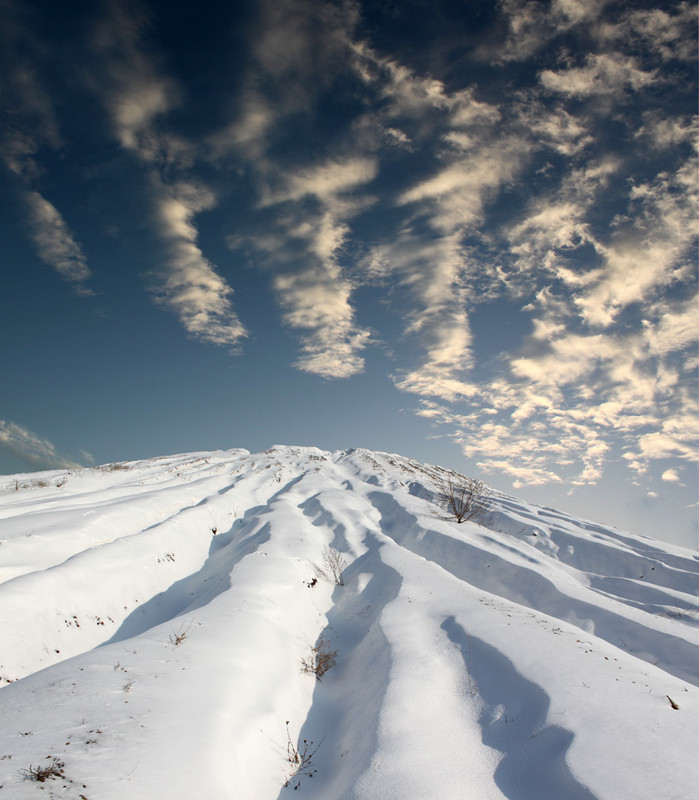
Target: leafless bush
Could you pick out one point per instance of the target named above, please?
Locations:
(332, 567)
(300, 756)
(321, 659)
(682, 612)
(465, 499)
(41, 774)
(177, 637)
(115, 467)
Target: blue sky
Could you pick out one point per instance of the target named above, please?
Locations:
(464, 232)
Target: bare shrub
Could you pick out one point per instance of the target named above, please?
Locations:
(321, 659)
(177, 637)
(115, 467)
(465, 499)
(682, 612)
(42, 774)
(300, 756)
(332, 566)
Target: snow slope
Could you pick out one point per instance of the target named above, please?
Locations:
(154, 617)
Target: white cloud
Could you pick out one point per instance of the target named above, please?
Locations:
(532, 25)
(134, 109)
(297, 47)
(562, 131)
(38, 452)
(190, 285)
(325, 182)
(653, 252)
(675, 329)
(28, 126)
(426, 261)
(129, 84)
(603, 74)
(670, 33)
(559, 410)
(29, 123)
(521, 474)
(671, 476)
(556, 225)
(54, 241)
(247, 134)
(316, 298)
(431, 274)
(138, 98)
(317, 303)
(661, 445)
(462, 188)
(301, 39)
(585, 383)
(447, 356)
(668, 132)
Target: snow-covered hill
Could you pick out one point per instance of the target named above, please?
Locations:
(155, 617)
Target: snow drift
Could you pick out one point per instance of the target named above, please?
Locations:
(155, 617)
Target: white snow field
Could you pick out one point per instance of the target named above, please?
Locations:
(155, 617)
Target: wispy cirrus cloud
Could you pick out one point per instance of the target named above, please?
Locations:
(55, 243)
(298, 48)
(317, 303)
(28, 128)
(669, 32)
(430, 275)
(190, 286)
(667, 132)
(313, 290)
(29, 447)
(570, 399)
(130, 84)
(602, 74)
(429, 261)
(460, 190)
(586, 383)
(138, 97)
(28, 122)
(532, 25)
(655, 251)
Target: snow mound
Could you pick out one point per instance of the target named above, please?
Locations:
(156, 617)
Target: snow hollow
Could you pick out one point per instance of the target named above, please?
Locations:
(234, 625)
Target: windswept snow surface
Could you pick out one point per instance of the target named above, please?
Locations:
(154, 616)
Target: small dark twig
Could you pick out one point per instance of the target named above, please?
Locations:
(41, 774)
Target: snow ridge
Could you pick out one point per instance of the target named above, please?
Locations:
(154, 617)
